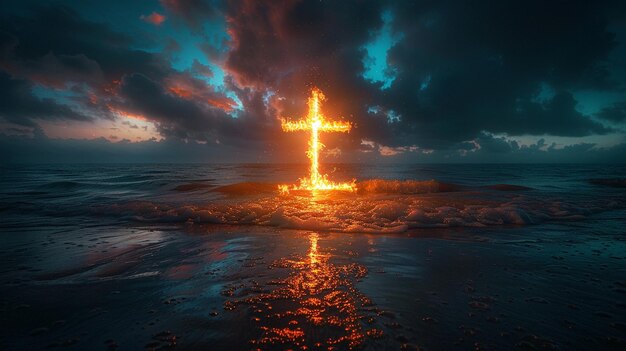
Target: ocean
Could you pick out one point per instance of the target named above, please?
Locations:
(213, 256)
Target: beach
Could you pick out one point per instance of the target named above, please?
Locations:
(213, 257)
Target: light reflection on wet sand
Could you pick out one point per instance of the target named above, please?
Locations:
(243, 288)
(129, 258)
(317, 306)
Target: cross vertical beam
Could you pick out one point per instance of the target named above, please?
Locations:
(316, 123)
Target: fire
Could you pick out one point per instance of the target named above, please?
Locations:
(316, 123)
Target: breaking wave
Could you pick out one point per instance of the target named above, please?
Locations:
(405, 186)
(380, 206)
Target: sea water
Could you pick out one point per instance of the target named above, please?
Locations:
(213, 256)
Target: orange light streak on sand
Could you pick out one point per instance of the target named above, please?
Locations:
(316, 306)
(316, 123)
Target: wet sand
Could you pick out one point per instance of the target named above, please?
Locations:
(90, 286)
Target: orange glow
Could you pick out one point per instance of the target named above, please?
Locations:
(315, 295)
(225, 104)
(316, 123)
(313, 251)
(188, 93)
(155, 18)
(113, 87)
(181, 92)
(125, 114)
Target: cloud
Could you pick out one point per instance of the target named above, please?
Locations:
(558, 117)
(56, 47)
(489, 143)
(174, 115)
(192, 12)
(184, 108)
(483, 75)
(464, 72)
(154, 18)
(486, 64)
(18, 105)
(615, 113)
(36, 150)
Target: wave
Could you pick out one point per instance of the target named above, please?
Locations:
(405, 186)
(247, 188)
(192, 187)
(132, 178)
(612, 182)
(62, 185)
(380, 207)
(372, 186)
(508, 187)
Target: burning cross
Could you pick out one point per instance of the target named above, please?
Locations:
(316, 123)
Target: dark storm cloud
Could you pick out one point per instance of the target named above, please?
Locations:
(297, 40)
(485, 63)
(199, 117)
(57, 48)
(287, 47)
(557, 116)
(489, 143)
(57, 39)
(20, 106)
(175, 116)
(615, 113)
(464, 70)
(54, 47)
(193, 12)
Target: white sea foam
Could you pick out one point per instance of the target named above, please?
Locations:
(381, 207)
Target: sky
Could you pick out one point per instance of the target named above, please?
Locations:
(209, 80)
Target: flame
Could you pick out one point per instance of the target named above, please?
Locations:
(316, 123)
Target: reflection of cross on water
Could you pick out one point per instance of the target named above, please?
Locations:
(316, 123)
(315, 306)
(313, 250)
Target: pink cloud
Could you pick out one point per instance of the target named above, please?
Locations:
(154, 18)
